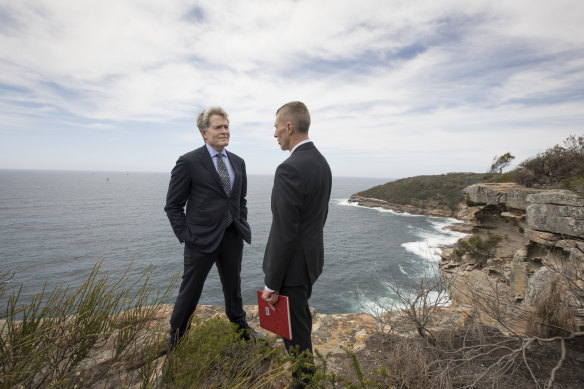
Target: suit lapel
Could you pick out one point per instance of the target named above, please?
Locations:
(236, 170)
(208, 163)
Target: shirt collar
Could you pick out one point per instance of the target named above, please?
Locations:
(299, 144)
(213, 152)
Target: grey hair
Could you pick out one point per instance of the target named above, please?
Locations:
(296, 113)
(203, 118)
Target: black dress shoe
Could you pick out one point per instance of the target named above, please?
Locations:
(249, 333)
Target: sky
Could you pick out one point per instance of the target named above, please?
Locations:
(395, 88)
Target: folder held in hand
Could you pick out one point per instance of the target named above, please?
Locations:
(277, 321)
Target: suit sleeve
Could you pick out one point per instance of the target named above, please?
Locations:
(243, 199)
(286, 204)
(176, 198)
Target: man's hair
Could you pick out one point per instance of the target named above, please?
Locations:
(203, 118)
(296, 113)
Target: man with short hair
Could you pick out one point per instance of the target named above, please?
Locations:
(212, 183)
(294, 256)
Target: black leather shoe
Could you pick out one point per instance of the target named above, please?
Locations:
(249, 333)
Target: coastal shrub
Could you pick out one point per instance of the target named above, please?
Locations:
(476, 248)
(557, 166)
(46, 342)
(553, 315)
(575, 184)
(505, 177)
(212, 354)
(500, 163)
(437, 191)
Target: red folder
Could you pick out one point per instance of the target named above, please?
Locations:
(277, 321)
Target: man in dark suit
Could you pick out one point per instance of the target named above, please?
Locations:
(294, 254)
(212, 183)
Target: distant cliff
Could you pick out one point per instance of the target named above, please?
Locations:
(438, 195)
(402, 208)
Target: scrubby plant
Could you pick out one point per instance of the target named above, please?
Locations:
(46, 341)
(500, 163)
(213, 354)
(505, 177)
(557, 166)
(553, 315)
(477, 248)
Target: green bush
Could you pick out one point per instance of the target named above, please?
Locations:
(212, 354)
(505, 177)
(575, 184)
(556, 167)
(478, 248)
(425, 191)
(45, 342)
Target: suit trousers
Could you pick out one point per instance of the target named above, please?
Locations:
(300, 316)
(197, 265)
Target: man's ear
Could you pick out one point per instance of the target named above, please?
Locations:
(290, 128)
(203, 134)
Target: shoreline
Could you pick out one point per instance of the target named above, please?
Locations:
(370, 202)
(460, 224)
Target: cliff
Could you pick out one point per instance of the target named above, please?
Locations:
(540, 235)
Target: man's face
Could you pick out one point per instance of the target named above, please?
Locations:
(217, 135)
(281, 134)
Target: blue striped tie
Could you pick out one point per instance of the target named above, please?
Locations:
(225, 181)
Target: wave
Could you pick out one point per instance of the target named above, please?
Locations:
(431, 242)
(430, 245)
(345, 202)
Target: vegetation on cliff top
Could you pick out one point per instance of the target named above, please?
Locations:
(437, 191)
(558, 167)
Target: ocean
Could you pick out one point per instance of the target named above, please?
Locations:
(56, 225)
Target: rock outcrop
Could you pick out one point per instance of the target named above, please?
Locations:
(539, 230)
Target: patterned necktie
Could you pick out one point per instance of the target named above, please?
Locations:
(224, 175)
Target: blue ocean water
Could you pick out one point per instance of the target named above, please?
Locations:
(55, 226)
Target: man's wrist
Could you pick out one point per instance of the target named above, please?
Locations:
(268, 289)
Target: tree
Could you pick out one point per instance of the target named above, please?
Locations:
(499, 163)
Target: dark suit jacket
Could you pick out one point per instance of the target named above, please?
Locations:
(195, 182)
(295, 251)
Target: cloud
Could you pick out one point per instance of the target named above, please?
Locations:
(390, 78)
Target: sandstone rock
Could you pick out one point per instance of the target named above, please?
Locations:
(538, 285)
(560, 212)
(542, 238)
(487, 194)
(517, 197)
(510, 194)
(558, 196)
(518, 279)
(575, 248)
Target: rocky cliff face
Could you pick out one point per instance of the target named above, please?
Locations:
(540, 232)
